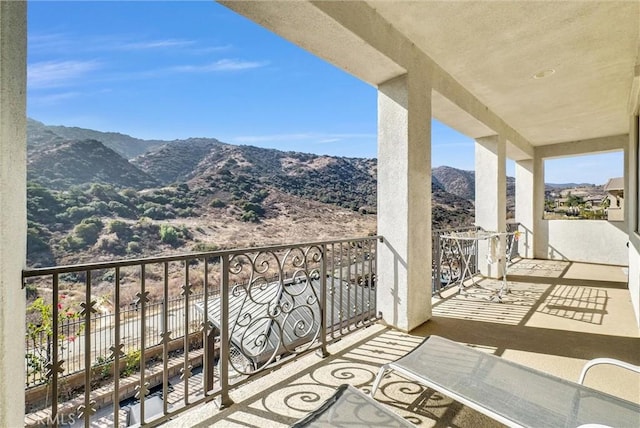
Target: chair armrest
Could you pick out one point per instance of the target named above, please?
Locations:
(610, 361)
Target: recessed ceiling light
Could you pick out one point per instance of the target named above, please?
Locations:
(544, 73)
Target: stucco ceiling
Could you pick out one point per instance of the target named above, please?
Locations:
(495, 48)
(491, 49)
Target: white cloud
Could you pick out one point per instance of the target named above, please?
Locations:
(319, 138)
(64, 43)
(212, 49)
(50, 99)
(49, 74)
(152, 44)
(220, 66)
(48, 42)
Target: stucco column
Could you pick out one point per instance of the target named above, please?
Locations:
(491, 200)
(525, 211)
(13, 216)
(404, 202)
(540, 226)
(632, 164)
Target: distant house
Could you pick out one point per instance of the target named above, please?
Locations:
(593, 201)
(577, 192)
(615, 194)
(561, 202)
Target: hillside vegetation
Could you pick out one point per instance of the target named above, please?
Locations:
(99, 196)
(72, 163)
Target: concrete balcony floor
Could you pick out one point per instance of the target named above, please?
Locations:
(557, 316)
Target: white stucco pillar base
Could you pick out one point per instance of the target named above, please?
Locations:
(491, 201)
(404, 202)
(13, 215)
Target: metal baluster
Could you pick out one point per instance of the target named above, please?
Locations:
(333, 290)
(225, 400)
(349, 286)
(373, 260)
(54, 367)
(142, 300)
(166, 338)
(437, 255)
(186, 370)
(116, 352)
(362, 281)
(322, 352)
(87, 408)
(369, 278)
(207, 335)
(341, 287)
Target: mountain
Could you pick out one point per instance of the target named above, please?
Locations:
(177, 161)
(62, 164)
(226, 172)
(95, 196)
(40, 135)
(456, 181)
(212, 165)
(550, 186)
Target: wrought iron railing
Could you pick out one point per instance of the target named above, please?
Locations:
(38, 343)
(263, 305)
(447, 262)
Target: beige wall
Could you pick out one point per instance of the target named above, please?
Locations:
(632, 205)
(615, 213)
(13, 215)
(589, 241)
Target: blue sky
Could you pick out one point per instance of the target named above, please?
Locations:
(169, 70)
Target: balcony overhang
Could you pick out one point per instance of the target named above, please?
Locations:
(538, 73)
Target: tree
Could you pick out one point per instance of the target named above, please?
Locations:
(574, 201)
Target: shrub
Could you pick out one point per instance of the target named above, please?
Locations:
(203, 247)
(72, 242)
(99, 207)
(250, 216)
(133, 247)
(110, 243)
(156, 212)
(259, 196)
(132, 362)
(217, 203)
(256, 208)
(87, 232)
(187, 212)
(102, 191)
(169, 235)
(157, 198)
(121, 209)
(76, 214)
(145, 229)
(42, 205)
(35, 242)
(129, 193)
(120, 228)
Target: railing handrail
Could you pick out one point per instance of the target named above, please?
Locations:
(81, 267)
(323, 312)
(453, 229)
